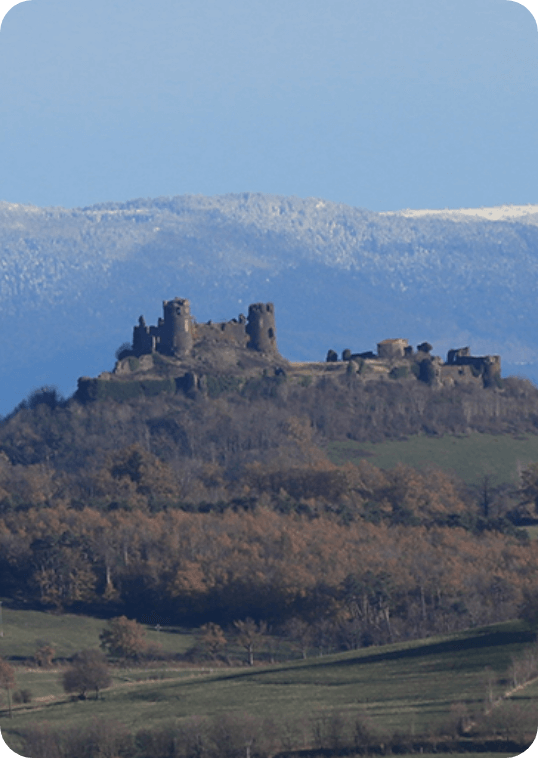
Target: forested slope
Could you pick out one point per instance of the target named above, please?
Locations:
(223, 505)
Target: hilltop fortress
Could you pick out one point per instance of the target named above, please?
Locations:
(179, 354)
(177, 333)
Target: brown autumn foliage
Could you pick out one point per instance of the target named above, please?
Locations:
(124, 637)
(385, 579)
(226, 508)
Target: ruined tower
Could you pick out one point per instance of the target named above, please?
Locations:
(391, 349)
(261, 327)
(143, 340)
(175, 330)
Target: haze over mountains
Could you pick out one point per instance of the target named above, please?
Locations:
(73, 282)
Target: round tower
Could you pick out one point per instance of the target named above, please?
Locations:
(261, 327)
(176, 329)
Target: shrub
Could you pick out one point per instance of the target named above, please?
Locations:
(22, 696)
(332, 731)
(218, 385)
(364, 368)
(398, 372)
(41, 742)
(426, 372)
(424, 347)
(48, 396)
(124, 350)
(44, 654)
(7, 679)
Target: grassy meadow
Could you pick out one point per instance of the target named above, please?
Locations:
(24, 630)
(399, 687)
(469, 457)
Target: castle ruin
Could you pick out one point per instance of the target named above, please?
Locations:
(397, 356)
(177, 333)
(179, 354)
(179, 336)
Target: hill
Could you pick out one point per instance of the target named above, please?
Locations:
(74, 281)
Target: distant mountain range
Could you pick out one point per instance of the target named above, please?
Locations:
(74, 282)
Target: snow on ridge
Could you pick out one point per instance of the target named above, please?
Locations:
(495, 213)
(5, 205)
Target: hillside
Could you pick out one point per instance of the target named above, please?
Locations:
(74, 281)
(370, 700)
(245, 415)
(235, 466)
(192, 485)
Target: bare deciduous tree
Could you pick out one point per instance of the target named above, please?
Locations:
(89, 671)
(7, 680)
(249, 635)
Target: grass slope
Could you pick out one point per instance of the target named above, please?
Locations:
(470, 457)
(24, 630)
(400, 687)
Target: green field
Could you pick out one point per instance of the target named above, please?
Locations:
(24, 630)
(400, 687)
(469, 457)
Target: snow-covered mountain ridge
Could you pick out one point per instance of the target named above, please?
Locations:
(74, 281)
(494, 213)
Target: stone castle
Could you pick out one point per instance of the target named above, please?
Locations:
(177, 333)
(181, 354)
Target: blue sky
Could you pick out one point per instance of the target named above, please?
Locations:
(380, 104)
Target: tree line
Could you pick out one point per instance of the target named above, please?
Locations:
(375, 579)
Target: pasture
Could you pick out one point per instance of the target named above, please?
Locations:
(470, 457)
(404, 687)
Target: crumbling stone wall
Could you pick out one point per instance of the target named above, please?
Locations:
(233, 332)
(488, 367)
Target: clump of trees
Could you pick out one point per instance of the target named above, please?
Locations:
(213, 508)
(250, 635)
(212, 640)
(124, 638)
(88, 672)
